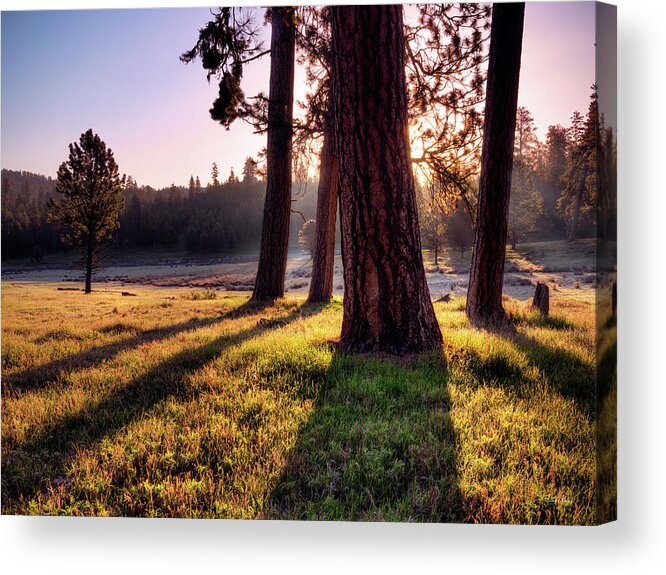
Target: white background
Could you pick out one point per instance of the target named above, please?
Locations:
(635, 543)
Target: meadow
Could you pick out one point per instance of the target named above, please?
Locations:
(180, 403)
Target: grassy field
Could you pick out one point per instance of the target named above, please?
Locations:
(171, 404)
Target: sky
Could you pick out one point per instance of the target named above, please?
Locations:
(118, 72)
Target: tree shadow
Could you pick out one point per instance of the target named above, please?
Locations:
(41, 376)
(30, 465)
(537, 320)
(379, 446)
(565, 372)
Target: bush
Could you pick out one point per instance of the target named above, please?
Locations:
(205, 294)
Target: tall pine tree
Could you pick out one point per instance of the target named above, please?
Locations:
(90, 198)
(387, 305)
(484, 297)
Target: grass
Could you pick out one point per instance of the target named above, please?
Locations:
(169, 405)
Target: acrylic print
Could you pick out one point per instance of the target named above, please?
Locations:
(313, 263)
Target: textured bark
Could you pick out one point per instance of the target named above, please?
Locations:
(89, 267)
(387, 305)
(269, 284)
(541, 300)
(323, 259)
(484, 297)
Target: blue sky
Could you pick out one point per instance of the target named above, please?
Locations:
(117, 72)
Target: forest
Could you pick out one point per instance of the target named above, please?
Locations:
(426, 330)
(223, 216)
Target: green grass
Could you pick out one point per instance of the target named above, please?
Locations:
(169, 405)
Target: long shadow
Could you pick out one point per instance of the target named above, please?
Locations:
(57, 441)
(379, 446)
(39, 377)
(565, 372)
(570, 376)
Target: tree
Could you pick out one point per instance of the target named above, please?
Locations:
(431, 222)
(607, 201)
(459, 233)
(91, 198)
(387, 305)
(525, 205)
(191, 186)
(575, 131)
(225, 45)
(215, 175)
(306, 236)
(525, 141)
(554, 166)
(446, 50)
(269, 283)
(581, 178)
(315, 44)
(323, 257)
(249, 170)
(484, 297)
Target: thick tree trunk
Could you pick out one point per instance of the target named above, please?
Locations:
(89, 267)
(387, 305)
(277, 206)
(323, 263)
(484, 297)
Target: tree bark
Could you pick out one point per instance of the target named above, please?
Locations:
(89, 266)
(323, 262)
(269, 283)
(541, 300)
(484, 297)
(387, 305)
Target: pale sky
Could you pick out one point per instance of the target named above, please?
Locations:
(118, 72)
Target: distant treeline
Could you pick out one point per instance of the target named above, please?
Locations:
(214, 218)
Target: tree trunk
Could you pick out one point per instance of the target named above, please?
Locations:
(387, 305)
(484, 297)
(436, 252)
(513, 242)
(541, 300)
(321, 284)
(269, 283)
(89, 266)
(614, 298)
